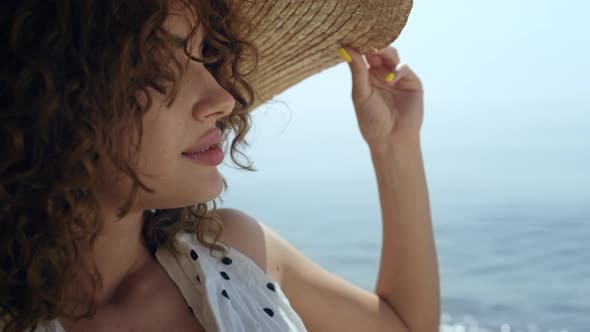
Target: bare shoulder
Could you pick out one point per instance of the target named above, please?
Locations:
(316, 294)
(253, 239)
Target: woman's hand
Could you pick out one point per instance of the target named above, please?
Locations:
(388, 113)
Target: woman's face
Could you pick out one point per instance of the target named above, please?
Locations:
(177, 180)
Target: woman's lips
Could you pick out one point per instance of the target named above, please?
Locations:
(213, 137)
(211, 157)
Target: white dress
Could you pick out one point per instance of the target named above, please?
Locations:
(231, 294)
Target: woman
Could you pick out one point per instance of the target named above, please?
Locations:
(113, 116)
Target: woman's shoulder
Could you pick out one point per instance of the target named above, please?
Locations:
(252, 238)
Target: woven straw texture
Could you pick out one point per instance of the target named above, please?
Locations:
(296, 39)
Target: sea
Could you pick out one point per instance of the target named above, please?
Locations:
(509, 190)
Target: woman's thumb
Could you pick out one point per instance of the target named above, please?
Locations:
(360, 73)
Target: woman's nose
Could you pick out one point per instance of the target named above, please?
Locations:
(216, 102)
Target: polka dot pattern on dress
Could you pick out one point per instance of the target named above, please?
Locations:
(269, 312)
(232, 273)
(271, 287)
(227, 261)
(227, 293)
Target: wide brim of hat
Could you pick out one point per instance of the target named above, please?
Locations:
(296, 39)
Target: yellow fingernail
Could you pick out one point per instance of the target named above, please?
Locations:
(344, 54)
(390, 77)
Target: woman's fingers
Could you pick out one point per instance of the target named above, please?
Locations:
(381, 64)
(406, 79)
(361, 87)
(387, 60)
(387, 57)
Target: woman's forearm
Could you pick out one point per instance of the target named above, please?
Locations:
(408, 275)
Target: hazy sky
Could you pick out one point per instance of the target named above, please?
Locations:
(500, 77)
(501, 51)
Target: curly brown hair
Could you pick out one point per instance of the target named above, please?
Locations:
(69, 79)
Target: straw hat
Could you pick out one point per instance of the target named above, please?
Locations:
(299, 38)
